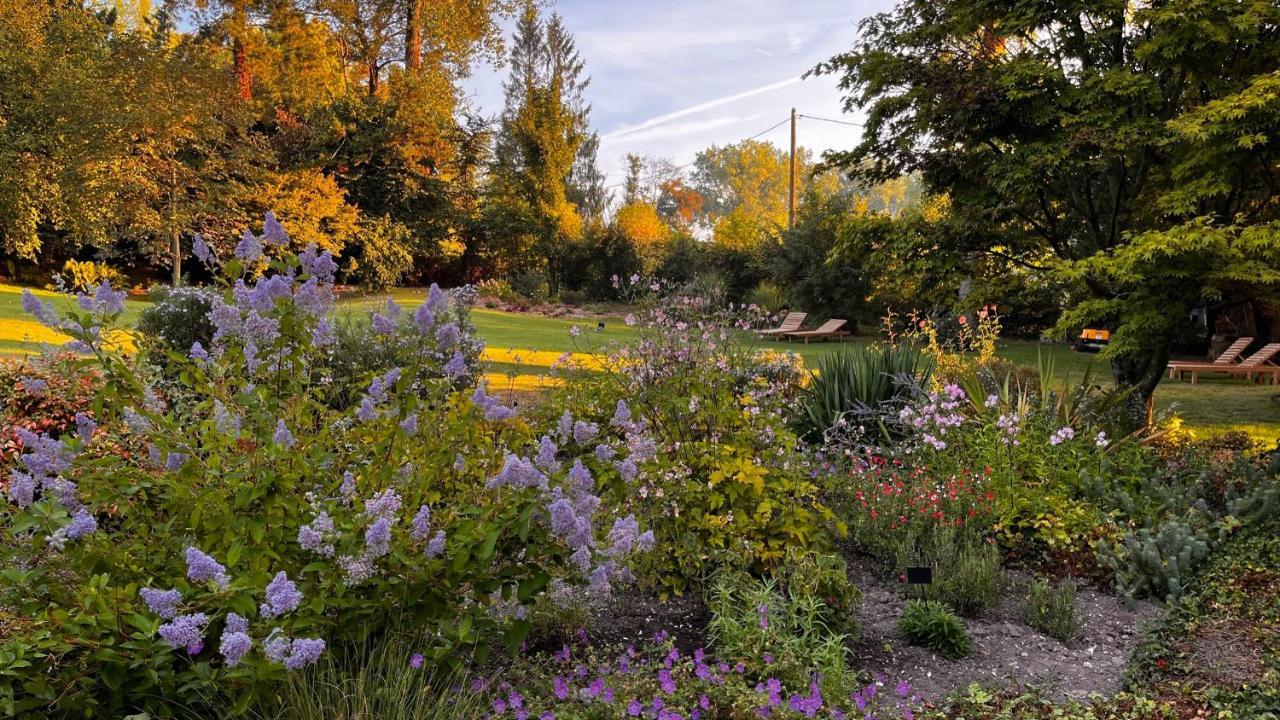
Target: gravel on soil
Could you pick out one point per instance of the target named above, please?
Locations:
(1005, 652)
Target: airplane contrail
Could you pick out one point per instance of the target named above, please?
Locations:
(660, 119)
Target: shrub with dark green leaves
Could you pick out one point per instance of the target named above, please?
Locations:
(1052, 610)
(931, 625)
(165, 553)
(860, 386)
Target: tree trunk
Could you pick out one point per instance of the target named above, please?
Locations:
(1142, 372)
(239, 53)
(177, 257)
(244, 83)
(413, 35)
(373, 78)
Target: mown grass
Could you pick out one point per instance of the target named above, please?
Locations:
(1216, 404)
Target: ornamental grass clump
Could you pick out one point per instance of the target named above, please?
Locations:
(170, 554)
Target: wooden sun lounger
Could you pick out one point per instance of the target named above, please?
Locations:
(832, 328)
(790, 323)
(1230, 356)
(1259, 364)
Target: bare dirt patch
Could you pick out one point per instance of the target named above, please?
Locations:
(1005, 651)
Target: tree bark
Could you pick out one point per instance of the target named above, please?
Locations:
(240, 65)
(413, 35)
(177, 257)
(239, 53)
(1142, 372)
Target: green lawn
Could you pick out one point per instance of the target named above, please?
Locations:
(1216, 404)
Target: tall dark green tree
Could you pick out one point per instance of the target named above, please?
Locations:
(587, 187)
(544, 124)
(1099, 141)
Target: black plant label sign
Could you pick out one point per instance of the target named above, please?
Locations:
(919, 576)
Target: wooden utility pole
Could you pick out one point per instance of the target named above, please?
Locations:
(791, 198)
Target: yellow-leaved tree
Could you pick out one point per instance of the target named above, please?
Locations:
(641, 225)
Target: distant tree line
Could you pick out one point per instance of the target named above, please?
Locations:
(127, 128)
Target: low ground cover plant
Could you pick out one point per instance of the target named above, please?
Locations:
(656, 680)
(932, 625)
(1216, 649)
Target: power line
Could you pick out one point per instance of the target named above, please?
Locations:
(838, 122)
(753, 137)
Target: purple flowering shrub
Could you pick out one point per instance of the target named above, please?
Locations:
(658, 682)
(726, 483)
(442, 340)
(248, 533)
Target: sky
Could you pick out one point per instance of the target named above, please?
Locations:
(672, 77)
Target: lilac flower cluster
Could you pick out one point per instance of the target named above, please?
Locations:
(203, 568)
(283, 436)
(235, 642)
(317, 535)
(294, 654)
(282, 597)
(1061, 435)
(185, 631)
(41, 466)
(490, 406)
(380, 513)
(377, 394)
(161, 602)
(85, 428)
